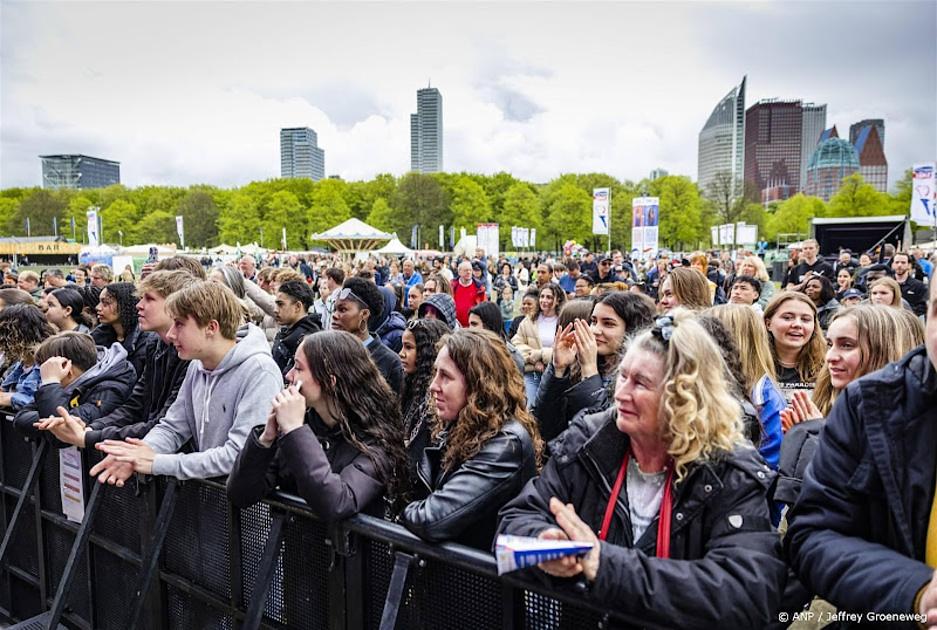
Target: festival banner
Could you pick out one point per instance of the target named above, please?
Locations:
(601, 198)
(645, 221)
(180, 230)
(924, 194)
(92, 216)
(486, 237)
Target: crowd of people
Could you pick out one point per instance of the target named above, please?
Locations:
(733, 448)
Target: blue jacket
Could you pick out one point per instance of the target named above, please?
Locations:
(857, 533)
(23, 382)
(769, 401)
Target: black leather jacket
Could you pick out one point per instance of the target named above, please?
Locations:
(461, 505)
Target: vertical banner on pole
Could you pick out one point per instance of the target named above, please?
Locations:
(283, 239)
(92, 215)
(924, 194)
(645, 223)
(600, 205)
(442, 238)
(486, 237)
(533, 237)
(180, 230)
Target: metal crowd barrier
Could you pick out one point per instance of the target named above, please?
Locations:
(160, 553)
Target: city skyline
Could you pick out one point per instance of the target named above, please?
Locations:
(572, 97)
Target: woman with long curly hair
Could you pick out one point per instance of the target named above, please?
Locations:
(331, 436)
(417, 354)
(22, 328)
(667, 489)
(797, 343)
(486, 442)
(117, 323)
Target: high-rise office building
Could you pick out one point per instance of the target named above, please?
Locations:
(813, 125)
(426, 132)
(657, 173)
(300, 155)
(78, 171)
(834, 159)
(868, 137)
(773, 141)
(722, 140)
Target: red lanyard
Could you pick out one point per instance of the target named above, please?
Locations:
(663, 517)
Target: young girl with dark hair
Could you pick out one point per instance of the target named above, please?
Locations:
(417, 354)
(331, 437)
(117, 322)
(585, 357)
(66, 311)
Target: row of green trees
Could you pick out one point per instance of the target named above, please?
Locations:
(560, 209)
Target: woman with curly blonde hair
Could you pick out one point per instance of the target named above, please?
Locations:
(667, 489)
(485, 443)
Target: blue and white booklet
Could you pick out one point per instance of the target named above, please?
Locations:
(520, 552)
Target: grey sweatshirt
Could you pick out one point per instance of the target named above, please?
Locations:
(216, 409)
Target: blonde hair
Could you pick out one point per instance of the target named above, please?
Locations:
(761, 272)
(893, 286)
(812, 356)
(751, 337)
(690, 287)
(884, 336)
(205, 301)
(166, 283)
(286, 273)
(701, 419)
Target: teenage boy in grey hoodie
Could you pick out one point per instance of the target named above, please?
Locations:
(228, 389)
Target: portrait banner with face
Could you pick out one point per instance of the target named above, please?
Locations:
(645, 221)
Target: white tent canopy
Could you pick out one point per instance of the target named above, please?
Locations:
(352, 236)
(223, 249)
(394, 247)
(164, 251)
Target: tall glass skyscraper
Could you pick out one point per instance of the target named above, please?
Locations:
(722, 140)
(426, 132)
(78, 171)
(868, 137)
(813, 125)
(774, 131)
(300, 155)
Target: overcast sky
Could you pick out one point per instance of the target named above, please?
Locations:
(196, 92)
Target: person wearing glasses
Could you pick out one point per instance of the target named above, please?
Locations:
(358, 308)
(668, 490)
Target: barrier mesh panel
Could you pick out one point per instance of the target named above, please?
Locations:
(196, 545)
(58, 544)
(22, 550)
(120, 516)
(542, 612)
(378, 567)
(438, 590)
(17, 455)
(255, 528)
(49, 490)
(114, 584)
(305, 573)
(24, 599)
(188, 613)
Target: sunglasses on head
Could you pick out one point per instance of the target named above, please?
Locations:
(348, 294)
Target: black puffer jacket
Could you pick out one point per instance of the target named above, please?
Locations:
(559, 400)
(725, 569)
(138, 344)
(857, 533)
(153, 393)
(462, 505)
(100, 390)
(326, 470)
(287, 340)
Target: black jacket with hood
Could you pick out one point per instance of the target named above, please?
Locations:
(857, 533)
(288, 338)
(98, 391)
(725, 568)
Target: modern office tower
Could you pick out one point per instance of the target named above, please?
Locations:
(426, 132)
(833, 160)
(868, 137)
(722, 140)
(773, 141)
(657, 173)
(300, 155)
(78, 171)
(813, 125)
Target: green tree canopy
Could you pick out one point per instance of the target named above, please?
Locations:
(328, 207)
(200, 218)
(680, 211)
(469, 204)
(793, 216)
(381, 215)
(856, 198)
(239, 219)
(521, 209)
(118, 222)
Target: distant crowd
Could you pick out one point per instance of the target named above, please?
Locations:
(736, 450)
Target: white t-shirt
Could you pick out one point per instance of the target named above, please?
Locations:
(546, 330)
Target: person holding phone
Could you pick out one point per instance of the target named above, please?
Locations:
(330, 436)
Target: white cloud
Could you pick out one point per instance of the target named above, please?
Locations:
(197, 92)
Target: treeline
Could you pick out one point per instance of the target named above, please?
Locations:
(560, 209)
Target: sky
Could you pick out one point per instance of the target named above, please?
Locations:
(186, 92)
